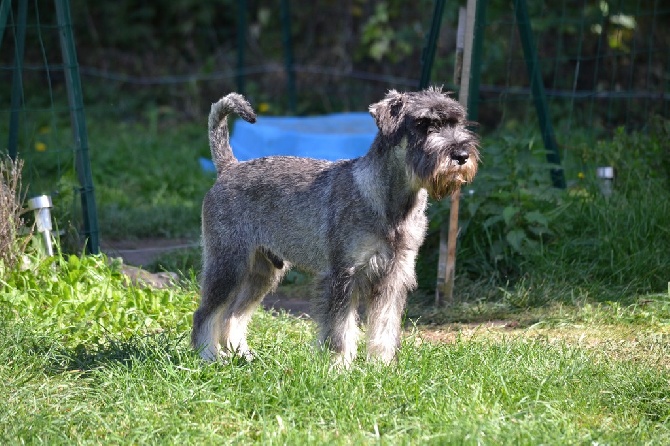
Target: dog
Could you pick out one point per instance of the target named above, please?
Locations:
(357, 224)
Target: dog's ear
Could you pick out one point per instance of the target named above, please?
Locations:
(387, 113)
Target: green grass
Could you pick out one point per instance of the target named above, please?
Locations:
(88, 358)
(577, 352)
(148, 179)
(146, 174)
(153, 390)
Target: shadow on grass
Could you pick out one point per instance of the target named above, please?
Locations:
(160, 347)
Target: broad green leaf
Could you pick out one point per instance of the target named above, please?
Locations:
(536, 217)
(492, 221)
(515, 238)
(509, 213)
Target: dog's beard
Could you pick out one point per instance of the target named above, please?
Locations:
(447, 181)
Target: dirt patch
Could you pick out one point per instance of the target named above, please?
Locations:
(281, 302)
(143, 252)
(450, 332)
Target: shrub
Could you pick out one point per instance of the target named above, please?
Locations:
(535, 243)
(508, 212)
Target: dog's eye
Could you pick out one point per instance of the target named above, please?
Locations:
(451, 121)
(423, 124)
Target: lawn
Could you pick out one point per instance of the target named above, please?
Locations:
(560, 333)
(87, 358)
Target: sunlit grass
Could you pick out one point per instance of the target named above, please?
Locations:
(477, 390)
(88, 358)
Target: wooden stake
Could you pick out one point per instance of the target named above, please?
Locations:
(444, 291)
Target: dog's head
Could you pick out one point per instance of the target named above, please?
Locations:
(440, 151)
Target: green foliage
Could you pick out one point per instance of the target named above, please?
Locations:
(641, 159)
(508, 213)
(380, 40)
(536, 244)
(620, 241)
(168, 27)
(83, 298)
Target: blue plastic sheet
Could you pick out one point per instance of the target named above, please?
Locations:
(330, 137)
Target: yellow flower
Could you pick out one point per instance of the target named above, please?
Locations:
(580, 175)
(263, 107)
(40, 146)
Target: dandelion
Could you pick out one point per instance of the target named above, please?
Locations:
(263, 107)
(40, 146)
(580, 175)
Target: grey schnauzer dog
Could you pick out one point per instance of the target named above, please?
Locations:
(356, 223)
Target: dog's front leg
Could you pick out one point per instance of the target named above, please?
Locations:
(385, 308)
(384, 322)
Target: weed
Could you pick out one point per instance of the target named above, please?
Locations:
(83, 298)
(12, 243)
(537, 244)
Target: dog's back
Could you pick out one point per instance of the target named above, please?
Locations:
(283, 202)
(358, 223)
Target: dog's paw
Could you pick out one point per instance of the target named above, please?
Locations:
(236, 356)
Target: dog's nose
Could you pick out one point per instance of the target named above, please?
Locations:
(460, 156)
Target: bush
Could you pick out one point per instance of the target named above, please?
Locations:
(534, 243)
(505, 216)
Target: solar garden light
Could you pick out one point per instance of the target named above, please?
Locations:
(606, 177)
(41, 206)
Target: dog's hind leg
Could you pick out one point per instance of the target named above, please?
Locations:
(337, 316)
(384, 324)
(222, 280)
(262, 277)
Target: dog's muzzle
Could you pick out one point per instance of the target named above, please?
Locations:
(460, 156)
(460, 170)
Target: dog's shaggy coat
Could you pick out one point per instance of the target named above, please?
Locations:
(358, 224)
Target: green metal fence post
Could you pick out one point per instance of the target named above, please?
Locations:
(241, 44)
(537, 89)
(288, 54)
(428, 55)
(475, 66)
(17, 80)
(76, 102)
(4, 14)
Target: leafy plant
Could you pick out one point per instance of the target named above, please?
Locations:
(508, 213)
(381, 40)
(83, 298)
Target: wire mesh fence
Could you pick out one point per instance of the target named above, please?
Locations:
(603, 63)
(43, 130)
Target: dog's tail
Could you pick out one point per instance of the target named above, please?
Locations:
(219, 143)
